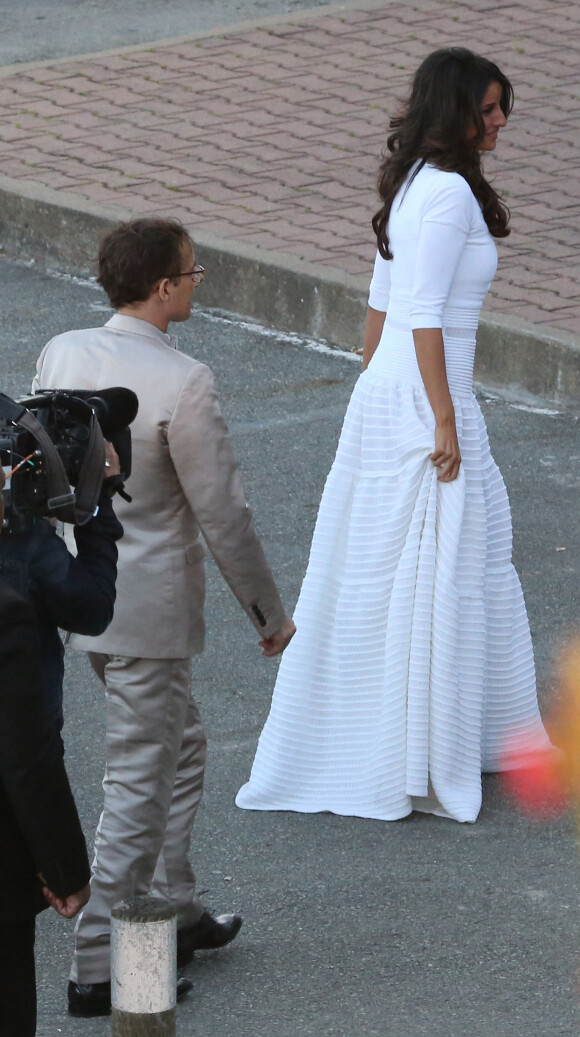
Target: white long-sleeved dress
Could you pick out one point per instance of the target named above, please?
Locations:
(412, 664)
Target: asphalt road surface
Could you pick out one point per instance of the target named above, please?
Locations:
(41, 29)
(353, 928)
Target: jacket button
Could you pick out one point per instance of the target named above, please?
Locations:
(259, 615)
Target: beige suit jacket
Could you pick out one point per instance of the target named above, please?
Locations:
(184, 479)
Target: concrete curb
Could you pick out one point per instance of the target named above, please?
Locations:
(60, 230)
(229, 29)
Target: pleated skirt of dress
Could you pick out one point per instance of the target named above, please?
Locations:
(412, 665)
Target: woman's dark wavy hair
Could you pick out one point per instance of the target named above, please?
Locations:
(444, 106)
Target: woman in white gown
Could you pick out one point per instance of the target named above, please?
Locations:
(412, 665)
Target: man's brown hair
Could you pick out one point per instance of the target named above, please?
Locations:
(135, 256)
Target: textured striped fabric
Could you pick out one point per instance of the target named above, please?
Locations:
(412, 664)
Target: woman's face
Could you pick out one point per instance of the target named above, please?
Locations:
(492, 115)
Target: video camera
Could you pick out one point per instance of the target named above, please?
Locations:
(52, 450)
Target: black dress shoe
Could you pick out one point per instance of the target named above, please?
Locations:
(92, 999)
(88, 999)
(206, 935)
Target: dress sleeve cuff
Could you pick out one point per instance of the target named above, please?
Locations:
(424, 319)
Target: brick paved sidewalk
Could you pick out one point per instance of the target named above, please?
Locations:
(272, 135)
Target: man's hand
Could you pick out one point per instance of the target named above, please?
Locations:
(276, 644)
(69, 906)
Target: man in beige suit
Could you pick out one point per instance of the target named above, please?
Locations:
(184, 483)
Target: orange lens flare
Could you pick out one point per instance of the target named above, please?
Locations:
(543, 784)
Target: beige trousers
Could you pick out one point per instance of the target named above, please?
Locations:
(155, 760)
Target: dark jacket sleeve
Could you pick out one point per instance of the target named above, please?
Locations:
(78, 594)
(33, 781)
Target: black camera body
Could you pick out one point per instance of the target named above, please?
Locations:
(52, 450)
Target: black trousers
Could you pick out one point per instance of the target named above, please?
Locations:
(17, 979)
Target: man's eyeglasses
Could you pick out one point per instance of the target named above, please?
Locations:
(197, 274)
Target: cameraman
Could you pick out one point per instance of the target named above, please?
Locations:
(43, 856)
(75, 594)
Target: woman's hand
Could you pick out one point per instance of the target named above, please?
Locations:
(446, 457)
(430, 352)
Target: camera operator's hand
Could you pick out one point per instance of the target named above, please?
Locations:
(69, 906)
(113, 481)
(112, 464)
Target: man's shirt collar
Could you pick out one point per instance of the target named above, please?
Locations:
(137, 326)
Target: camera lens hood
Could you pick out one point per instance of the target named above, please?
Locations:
(115, 407)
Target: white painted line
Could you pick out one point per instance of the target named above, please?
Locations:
(318, 345)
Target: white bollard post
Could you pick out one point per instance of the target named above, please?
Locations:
(143, 967)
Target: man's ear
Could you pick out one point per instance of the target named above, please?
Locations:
(163, 289)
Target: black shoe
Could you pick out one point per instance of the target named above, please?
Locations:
(206, 935)
(88, 999)
(92, 999)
